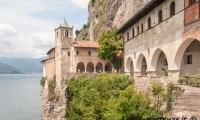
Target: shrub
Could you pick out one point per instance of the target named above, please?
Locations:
(42, 81)
(110, 96)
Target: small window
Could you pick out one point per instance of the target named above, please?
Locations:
(128, 36)
(142, 28)
(133, 33)
(57, 34)
(138, 29)
(149, 23)
(89, 53)
(172, 9)
(160, 18)
(68, 53)
(77, 52)
(189, 59)
(192, 2)
(66, 33)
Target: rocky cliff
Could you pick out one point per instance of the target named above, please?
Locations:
(108, 14)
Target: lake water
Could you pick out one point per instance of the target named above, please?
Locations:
(20, 97)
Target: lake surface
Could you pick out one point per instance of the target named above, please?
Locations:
(20, 97)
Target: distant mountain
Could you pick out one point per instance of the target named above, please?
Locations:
(25, 65)
(6, 69)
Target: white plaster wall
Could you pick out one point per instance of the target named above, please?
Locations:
(166, 36)
(191, 68)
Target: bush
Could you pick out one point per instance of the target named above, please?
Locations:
(188, 79)
(52, 96)
(42, 81)
(110, 96)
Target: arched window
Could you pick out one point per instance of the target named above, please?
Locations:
(172, 8)
(141, 27)
(138, 29)
(77, 52)
(160, 18)
(133, 33)
(149, 23)
(127, 36)
(192, 2)
(89, 53)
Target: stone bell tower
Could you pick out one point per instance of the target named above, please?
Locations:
(63, 41)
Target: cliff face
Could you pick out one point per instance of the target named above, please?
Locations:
(109, 14)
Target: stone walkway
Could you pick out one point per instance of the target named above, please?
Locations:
(188, 104)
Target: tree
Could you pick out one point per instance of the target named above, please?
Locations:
(111, 48)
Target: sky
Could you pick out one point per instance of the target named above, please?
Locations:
(27, 26)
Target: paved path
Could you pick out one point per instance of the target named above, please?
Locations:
(188, 104)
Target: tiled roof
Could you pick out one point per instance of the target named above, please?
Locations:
(47, 59)
(50, 50)
(83, 43)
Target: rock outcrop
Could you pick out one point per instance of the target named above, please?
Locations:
(109, 14)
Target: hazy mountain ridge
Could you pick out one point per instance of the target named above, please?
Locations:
(25, 65)
(6, 69)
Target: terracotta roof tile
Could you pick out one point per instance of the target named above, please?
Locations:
(83, 43)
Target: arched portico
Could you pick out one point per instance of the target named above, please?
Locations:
(99, 67)
(108, 67)
(129, 66)
(159, 61)
(90, 67)
(80, 67)
(187, 56)
(142, 64)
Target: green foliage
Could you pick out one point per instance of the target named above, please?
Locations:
(52, 96)
(77, 32)
(42, 81)
(192, 80)
(108, 97)
(169, 96)
(157, 91)
(84, 26)
(93, 1)
(111, 45)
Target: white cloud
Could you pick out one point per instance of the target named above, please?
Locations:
(80, 3)
(26, 31)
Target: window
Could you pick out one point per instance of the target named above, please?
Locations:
(192, 2)
(138, 29)
(133, 33)
(68, 53)
(149, 23)
(77, 52)
(160, 18)
(66, 33)
(172, 9)
(89, 53)
(57, 34)
(128, 36)
(141, 27)
(189, 59)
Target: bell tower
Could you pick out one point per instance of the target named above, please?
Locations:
(63, 42)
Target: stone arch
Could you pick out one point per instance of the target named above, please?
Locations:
(108, 67)
(80, 67)
(181, 51)
(90, 67)
(159, 61)
(142, 64)
(190, 47)
(99, 67)
(130, 66)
